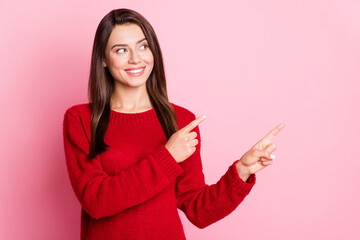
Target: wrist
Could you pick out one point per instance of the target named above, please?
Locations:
(243, 171)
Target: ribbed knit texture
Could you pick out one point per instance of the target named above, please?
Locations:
(133, 189)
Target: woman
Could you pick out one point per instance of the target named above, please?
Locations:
(133, 157)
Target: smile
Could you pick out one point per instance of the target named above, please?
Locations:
(135, 71)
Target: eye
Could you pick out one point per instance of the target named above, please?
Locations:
(144, 46)
(120, 50)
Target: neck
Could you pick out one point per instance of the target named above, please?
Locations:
(130, 99)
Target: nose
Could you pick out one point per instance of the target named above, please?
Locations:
(134, 57)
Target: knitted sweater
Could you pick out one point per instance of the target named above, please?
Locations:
(133, 189)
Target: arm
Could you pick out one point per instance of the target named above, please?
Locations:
(102, 195)
(204, 204)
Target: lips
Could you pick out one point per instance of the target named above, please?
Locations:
(135, 71)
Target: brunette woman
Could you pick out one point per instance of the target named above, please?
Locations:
(132, 156)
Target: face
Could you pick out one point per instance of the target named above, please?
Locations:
(127, 56)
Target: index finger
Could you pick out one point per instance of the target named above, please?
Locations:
(267, 139)
(193, 124)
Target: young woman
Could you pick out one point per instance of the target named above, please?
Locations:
(132, 156)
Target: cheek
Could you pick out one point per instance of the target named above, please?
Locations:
(149, 58)
(117, 62)
(116, 65)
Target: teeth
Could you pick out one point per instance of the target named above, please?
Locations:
(135, 71)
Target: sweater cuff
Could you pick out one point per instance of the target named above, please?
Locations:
(237, 184)
(167, 163)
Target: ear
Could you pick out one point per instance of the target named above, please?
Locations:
(104, 63)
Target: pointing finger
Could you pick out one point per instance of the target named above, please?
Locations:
(267, 139)
(193, 124)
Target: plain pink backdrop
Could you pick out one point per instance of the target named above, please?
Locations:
(247, 65)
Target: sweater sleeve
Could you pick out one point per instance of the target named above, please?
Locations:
(102, 195)
(205, 204)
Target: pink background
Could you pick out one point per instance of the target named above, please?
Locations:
(247, 65)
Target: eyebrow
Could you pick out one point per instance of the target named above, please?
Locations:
(121, 45)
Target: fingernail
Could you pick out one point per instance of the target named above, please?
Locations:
(272, 156)
(204, 116)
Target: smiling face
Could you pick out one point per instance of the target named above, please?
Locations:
(128, 56)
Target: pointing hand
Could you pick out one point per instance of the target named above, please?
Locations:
(259, 156)
(182, 144)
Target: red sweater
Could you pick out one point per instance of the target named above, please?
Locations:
(133, 189)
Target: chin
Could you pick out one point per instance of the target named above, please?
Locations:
(135, 84)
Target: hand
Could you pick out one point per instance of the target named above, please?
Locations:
(259, 156)
(182, 144)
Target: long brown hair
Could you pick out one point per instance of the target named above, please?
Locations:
(101, 82)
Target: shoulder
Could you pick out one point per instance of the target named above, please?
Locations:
(184, 115)
(182, 111)
(79, 115)
(81, 110)
(76, 125)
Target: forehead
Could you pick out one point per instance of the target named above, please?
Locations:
(126, 34)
